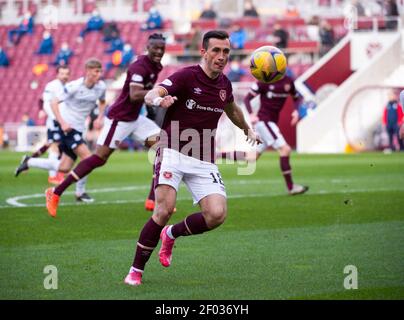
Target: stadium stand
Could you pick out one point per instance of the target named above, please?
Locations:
(25, 78)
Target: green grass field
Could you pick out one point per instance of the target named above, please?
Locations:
(272, 246)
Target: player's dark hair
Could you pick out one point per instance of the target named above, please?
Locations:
(63, 66)
(156, 36)
(215, 34)
(93, 63)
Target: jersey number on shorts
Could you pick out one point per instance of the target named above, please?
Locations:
(217, 178)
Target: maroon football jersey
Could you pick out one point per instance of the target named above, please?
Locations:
(273, 97)
(144, 73)
(190, 123)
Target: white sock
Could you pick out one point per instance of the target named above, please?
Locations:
(133, 269)
(81, 186)
(47, 164)
(53, 155)
(168, 232)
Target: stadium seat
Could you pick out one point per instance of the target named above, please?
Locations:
(204, 24)
(254, 44)
(303, 46)
(248, 23)
(175, 49)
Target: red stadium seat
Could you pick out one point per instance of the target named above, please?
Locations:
(248, 23)
(204, 24)
(175, 48)
(291, 22)
(254, 44)
(303, 46)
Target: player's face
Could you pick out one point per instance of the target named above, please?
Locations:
(93, 75)
(63, 75)
(217, 55)
(156, 49)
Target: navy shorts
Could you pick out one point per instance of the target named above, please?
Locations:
(70, 141)
(54, 134)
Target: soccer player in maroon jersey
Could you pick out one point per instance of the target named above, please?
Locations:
(272, 99)
(122, 117)
(195, 98)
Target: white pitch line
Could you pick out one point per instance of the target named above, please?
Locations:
(21, 205)
(14, 201)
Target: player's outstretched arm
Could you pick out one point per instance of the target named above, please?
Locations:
(100, 119)
(137, 92)
(236, 116)
(158, 97)
(247, 102)
(55, 108)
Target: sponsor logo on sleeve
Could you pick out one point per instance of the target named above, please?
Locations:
(167, 82)
(137, 78)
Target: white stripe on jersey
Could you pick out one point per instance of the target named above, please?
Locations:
(79, 101)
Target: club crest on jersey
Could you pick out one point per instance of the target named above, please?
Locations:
(222, 94)
(167, 174)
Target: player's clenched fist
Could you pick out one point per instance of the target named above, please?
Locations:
(252, 137)
(165, 102)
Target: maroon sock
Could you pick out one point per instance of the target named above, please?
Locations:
(286, 171)
(81, 170)
(40, 151)
(64, 185)
(148, 240)
(193, 224)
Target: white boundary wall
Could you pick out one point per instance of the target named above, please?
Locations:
(322, 131)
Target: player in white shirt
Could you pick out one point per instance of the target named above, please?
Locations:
(71, 108)
(52, 89)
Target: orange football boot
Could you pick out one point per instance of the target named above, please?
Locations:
(52, 202)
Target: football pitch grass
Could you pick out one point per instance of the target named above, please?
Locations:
(272, 246)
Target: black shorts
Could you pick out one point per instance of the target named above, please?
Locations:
(54, 134)
(70, 141)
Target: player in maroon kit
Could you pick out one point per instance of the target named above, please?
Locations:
(272, 99)
(122, 117)
(195, 98)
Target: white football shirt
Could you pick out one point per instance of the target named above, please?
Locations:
(79, 101)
